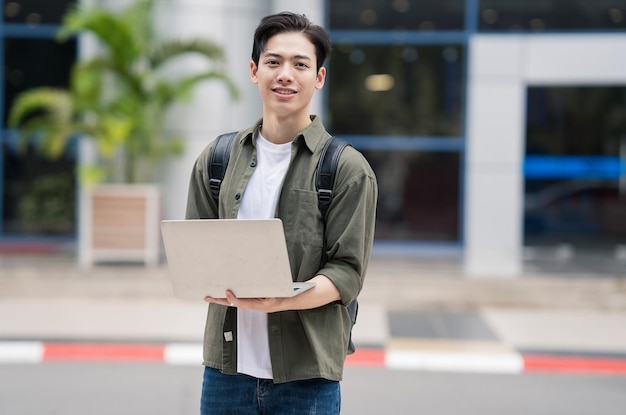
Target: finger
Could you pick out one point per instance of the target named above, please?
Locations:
(230, 298)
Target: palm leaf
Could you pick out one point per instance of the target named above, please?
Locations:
(94, 69)
(138, 18)
(168, 50)
(51, 105)
(166, 93)
(112, 31)
(86, 85)
(120, 97)
(54, 142)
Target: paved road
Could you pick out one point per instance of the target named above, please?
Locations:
(372, 391)
(155, 389)
(420, 321)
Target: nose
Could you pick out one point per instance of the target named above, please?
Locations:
(285, 75)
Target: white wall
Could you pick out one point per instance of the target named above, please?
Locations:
(500, 70)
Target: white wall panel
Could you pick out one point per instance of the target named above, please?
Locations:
(576, 59)
(495, 125)
(493, 180)
(493, 242)
(496, 57)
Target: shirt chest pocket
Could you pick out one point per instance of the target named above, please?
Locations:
(302, 218)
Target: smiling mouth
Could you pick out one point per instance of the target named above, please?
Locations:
(284, 91)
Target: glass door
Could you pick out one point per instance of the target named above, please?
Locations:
(575, 179)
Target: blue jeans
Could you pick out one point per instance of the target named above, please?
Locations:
(241, 394)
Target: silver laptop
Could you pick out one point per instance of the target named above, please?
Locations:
(206, 257)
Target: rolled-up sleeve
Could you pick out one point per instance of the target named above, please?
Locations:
(350, 226)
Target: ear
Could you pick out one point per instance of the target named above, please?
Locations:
(321, 78)
(253, 69)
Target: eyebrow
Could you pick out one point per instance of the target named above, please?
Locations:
(278, 55)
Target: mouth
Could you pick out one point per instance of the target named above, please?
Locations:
(284, 91)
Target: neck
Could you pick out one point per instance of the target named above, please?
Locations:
(282, 130)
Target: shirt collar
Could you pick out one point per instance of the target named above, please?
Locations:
(312, 135)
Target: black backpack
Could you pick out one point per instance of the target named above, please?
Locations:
(324, 183)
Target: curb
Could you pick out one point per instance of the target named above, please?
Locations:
(190, 354)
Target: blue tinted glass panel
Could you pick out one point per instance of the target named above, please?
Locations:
(39, 193)
(34, 12)
(575, 167)
(399, 90)
(576, 121)
(543, 15)
(35, 62)
(418, 195)
(422, 15)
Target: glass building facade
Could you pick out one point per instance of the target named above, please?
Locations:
(37, 194)
(398, 89)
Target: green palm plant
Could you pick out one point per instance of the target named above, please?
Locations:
(118, 98)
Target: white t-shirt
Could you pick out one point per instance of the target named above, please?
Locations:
(259, 202)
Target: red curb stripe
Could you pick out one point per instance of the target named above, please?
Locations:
(366, 357)
(569, 364)
(87, 352)
(95, 352)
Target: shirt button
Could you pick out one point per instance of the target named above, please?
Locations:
(237, 196)
(253, 164)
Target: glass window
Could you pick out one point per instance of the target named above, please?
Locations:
(399, 90)
(583, 213)
(575, 187)
(39, 194)
(34, 12)
(418, 195)
(423, 15)
(574, 121)
(540, 15)
(34, 62)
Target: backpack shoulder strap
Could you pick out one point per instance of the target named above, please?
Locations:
(326, 171)
(218, 162)
(325, 182)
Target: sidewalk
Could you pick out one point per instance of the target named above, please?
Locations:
(414, 314)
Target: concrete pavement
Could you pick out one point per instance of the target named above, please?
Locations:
(420, 314)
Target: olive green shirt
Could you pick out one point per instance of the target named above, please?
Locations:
(304, 344)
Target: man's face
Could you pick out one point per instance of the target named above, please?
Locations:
(287, 75)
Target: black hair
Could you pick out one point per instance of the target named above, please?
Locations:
(291, 22)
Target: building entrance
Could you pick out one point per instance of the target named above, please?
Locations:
(575, 179)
